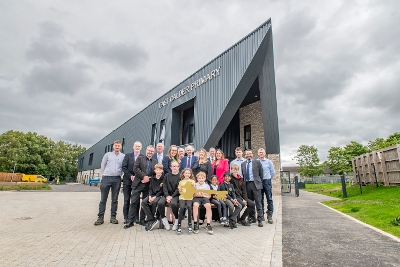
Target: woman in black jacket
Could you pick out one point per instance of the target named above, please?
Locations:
(202, 165)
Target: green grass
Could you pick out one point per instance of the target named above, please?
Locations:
(375, 206)
(19, 187)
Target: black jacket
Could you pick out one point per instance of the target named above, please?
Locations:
(155, 187)
(205, 167)
(127, 167)
(170, 184)
(240, 187)
(228, 187)
(140, 169)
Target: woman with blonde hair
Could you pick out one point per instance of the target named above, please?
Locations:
(172, 155)
(202, 165)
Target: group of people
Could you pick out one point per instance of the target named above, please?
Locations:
(159, 179)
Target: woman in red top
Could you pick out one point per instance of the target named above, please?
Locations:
(220, 165)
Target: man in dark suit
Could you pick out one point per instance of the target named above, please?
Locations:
(129, 175)
(189, 160)
(143, 169)
(161, 157)
(211, 152)
(253, 174)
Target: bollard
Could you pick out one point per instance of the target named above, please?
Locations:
(343, 178)
(376, 177)
(296, 186)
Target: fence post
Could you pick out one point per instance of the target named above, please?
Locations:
(296, 186)
(359, 181)
(376, 177)
(344, 186)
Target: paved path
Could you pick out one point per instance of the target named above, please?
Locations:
(56, 229)
(315, 235)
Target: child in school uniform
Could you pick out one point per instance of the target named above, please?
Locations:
(202, 198)
(186, 177)
(219, 203)
(234, 206)
(149, 204)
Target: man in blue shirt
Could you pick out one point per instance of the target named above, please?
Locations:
(269, 172)
(111, 169)
(239, 160)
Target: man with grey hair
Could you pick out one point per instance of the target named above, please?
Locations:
(181, 153)
(129, 176)
(189, 160)
(211, 152)
(160, 156)
(269, 172)
(111, 169)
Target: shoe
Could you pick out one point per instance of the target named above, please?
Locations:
(196, 228)
(113, 220)
(260, 224)
(244, 223)
(209, 229)
(269, 217)
(179, 229)
(147, 226)
(190, 228)
(166, 223)
(230, 224)
(252, 220)
(125, 220)
(129, 225)
(234, 225)
(142, 222)
(100, 220)
(221, 220)
(152, 224)
(175, 226)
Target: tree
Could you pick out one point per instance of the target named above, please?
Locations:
(340, 159)
(308, 161)
(380, 143)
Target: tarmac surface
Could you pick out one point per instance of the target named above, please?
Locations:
(315, 235)
(55, 228)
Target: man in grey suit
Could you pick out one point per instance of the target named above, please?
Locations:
(253, 174)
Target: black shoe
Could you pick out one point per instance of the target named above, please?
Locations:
(234, 224)
(269, 217)
(142, 222)
(231, 224)
(152, 224)
(100, 220)
(260, 224)
(137, 221)
(113, 220)
(196, 228)
(252, 220)
(129, 225)
(244, 223)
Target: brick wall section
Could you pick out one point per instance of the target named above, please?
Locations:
(251, 114)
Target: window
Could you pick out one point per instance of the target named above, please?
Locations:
(109, 148)
(123, 143)
(154, 134)
(247, 137)
(191, 133)
(162, 131)
(81, 163)
(90, 159)
(105, 149)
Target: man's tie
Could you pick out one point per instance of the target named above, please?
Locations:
(188, 163)
(248, 171)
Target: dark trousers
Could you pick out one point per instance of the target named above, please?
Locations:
(185, 204)
(127, 190)
(250, 207)
(233, 211)
(255, 194)
(150, 208)
(133, 209)
(221, 206)
(107, 183)
(173, 205)
(267, 190)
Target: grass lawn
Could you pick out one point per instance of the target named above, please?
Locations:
(19, 187)
(375, 206)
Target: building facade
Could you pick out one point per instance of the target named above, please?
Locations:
(229, 102)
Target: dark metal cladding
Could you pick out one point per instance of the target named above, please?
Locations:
(213, 105)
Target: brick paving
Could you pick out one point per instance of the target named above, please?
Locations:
(56, 229)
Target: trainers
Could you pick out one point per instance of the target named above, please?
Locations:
(175, 226)
(100, 220)
(166, 223)
(113, 220)
(221, 220)
(190, 228)
(152, 224)
(269, 217)
(196, 228)
(209, 229)
(179, 229)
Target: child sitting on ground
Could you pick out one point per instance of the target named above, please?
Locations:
(186, 177)
(202, 198)
(219, 203)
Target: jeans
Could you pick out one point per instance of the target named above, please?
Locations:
(267, 190)
(107, 183)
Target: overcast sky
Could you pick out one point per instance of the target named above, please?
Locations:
(76, 70)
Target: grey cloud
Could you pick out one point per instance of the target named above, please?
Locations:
(128, 56)
(65, 79)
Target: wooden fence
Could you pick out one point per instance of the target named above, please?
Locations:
(386, 162)
(6, 177)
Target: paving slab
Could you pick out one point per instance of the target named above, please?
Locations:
(56, 229)
(315, 235)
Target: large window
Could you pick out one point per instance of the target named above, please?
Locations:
(191, 133)
(123, 143)
(154, 134)
(90, 159)
(247, 137)
(162, 131)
